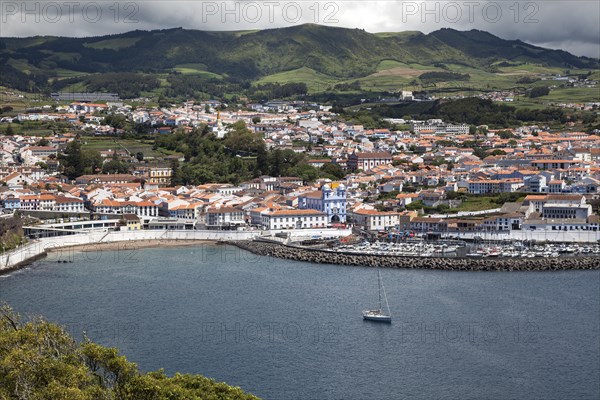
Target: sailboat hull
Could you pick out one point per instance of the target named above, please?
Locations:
(371, 316)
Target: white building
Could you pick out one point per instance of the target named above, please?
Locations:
(367, 161)
(223, 217)
(68, 204)
(566, 211)
(437, 126)
(373, 220)
(294, 219)
(494, 186)
(330, 201)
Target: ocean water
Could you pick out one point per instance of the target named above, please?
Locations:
(292, 330)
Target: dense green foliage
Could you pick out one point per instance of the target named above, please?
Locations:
(239, 156)
(277, 91)
(199, 86)
(539, 91)
(442, 76)
(196, 85)
(527, 79)
(472, 111)
(11, 233)
(39, 361)
(353, 86)
(126, 84)
(115, 166)
(76, 162)
(13, 78)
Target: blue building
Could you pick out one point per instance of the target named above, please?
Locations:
(330, 201)
(12, 203)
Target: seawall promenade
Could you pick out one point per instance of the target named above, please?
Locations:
(36, 249)
(319, 256)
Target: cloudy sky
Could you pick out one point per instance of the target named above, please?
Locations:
(572, 25)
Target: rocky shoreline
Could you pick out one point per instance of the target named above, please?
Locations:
(296, 253)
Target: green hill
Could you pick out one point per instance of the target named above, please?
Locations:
(340, 54)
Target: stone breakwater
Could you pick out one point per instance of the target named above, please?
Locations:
(451, 264)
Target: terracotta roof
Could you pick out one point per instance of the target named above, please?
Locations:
(224, 210)
(374, 212)
(295, 212)
(63, 199)
(317, 194)
(377, 155)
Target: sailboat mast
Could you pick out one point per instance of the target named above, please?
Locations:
(379, 286)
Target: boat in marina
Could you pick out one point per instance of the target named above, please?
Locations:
(379, 315)
(414, 248)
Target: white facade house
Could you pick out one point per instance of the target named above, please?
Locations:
(536, 184)
(566, 211)
(374, 220)
(141, 209)
(224, 217)
(17, 180)
(439, 127)
(68, 204)
(294, 219)
(494, 186)
(46, 202)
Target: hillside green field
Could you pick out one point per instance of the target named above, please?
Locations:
(315, 81)
(113, 44)
(132, 145)
(197, 69)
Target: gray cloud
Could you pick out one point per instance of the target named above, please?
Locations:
(570, 25)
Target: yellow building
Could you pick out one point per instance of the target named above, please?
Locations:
(131, 223)
(160, 176)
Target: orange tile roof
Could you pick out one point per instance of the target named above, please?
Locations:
(295, 212)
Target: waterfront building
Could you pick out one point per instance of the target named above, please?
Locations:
(373, 220)
(332, 202)
(294, 219)
(224, 217)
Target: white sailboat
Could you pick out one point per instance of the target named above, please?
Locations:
(379, 315)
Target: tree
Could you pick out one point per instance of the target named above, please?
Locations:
(505, 134)
(72, 160)
(176, 175)
(539, 91)
(9, 130)
(241, 139)
(76, 162)
(308, 173)
(115, 167)
(117, 121)
(43, 142)
(40, 360)
(139, 156)
(333, 169)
